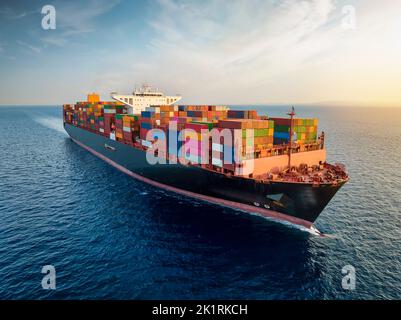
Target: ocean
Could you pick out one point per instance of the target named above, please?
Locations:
(111, 237)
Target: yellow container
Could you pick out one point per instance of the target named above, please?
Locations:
(93, 98)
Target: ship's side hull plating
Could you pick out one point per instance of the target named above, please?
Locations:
(297, 203)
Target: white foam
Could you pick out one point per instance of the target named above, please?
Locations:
(50, 122)
(312, 230)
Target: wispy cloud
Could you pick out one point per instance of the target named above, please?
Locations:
(30, 47)
(11, 14)
(263, 51)
(54, 40)
(231, 47)
(215, 51)
(76, 18)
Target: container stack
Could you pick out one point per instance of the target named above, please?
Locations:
(242, 114)
(203, 113)
(193, 149)
(150, 119)
(252, 136)
(249, 138)
(165, 113)
(131, 128)
(305, 130)
(95, 115)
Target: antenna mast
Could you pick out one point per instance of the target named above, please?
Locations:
(291, 114)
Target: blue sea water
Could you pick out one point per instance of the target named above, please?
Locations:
(111, 237)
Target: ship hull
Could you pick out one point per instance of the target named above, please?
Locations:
(297, 203)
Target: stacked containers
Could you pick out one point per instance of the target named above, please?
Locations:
(128, 121)
(242, 114)
(203, 113)
(193, 148)
(119, 127)
(109, 119)
(249, 137)
(305, 130)
(164, 113)
(94, 115)
(147, 123)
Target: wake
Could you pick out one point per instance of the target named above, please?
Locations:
(50, 122)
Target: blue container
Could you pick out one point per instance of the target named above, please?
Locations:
(282, 135)
(147, 114)
(146, 125)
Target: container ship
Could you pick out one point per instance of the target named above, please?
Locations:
(271, 167)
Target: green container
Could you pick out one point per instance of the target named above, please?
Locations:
(261, 132)
(209, 124)
(136, 118)
(281, 128)
(119, 116)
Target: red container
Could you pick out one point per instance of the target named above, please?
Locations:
(196, 126)
(281, 121)
(127, 137)
(143, 133)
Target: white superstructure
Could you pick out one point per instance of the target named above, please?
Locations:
(143, 98)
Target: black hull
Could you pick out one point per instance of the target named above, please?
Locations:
(297, 203)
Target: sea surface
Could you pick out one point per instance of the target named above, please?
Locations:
(111, 237)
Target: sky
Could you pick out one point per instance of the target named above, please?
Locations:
(326, 52)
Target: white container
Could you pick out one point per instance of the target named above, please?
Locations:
(101, 130)
(217, 162)
(146, 143)
(217, 147)
(112, 136)
(153, 109)
(126, 129)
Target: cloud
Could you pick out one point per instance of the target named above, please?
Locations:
(260, 51)
(12, 14)
(220, 49)
(31, 48)
(57, 41)
(75, 18)
(231, 52)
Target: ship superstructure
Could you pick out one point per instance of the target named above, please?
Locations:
(144, 97)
